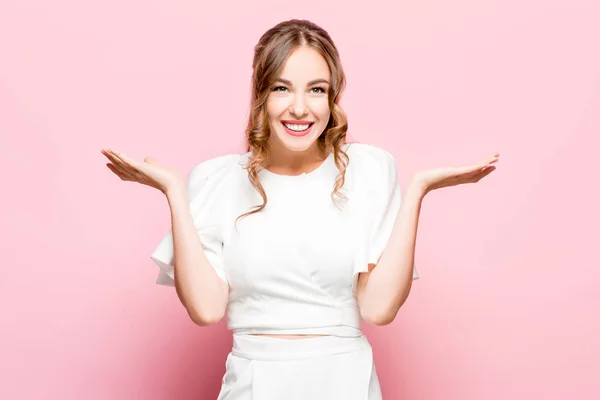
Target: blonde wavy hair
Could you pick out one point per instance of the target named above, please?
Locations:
(270, 55)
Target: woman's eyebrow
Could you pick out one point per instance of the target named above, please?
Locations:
(314, 81)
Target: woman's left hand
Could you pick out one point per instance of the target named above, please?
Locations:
(437, 178)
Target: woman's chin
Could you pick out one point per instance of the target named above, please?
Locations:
(297, 143)
(298, 147)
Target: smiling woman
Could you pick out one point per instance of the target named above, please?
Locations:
(300, 238)
(302, 93)
(282, 284)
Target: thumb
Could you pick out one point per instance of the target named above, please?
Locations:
(151, 161)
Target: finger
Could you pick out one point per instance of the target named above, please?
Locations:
(118, 156)
(110, 154)
(126, 163)
(133, 166)
(485, 172)
(116, 161)
(126, 170)
(472, 168)
(126, 159)
(491, 158)
(124, 176)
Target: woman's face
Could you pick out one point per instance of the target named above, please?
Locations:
(297, 105)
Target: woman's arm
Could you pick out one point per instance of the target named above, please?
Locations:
(382, 291)
(203, 293)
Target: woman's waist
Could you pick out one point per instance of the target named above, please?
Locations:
(274, 317)
(339, 330)
(275, 348)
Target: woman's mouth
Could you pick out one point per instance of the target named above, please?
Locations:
(297, 129)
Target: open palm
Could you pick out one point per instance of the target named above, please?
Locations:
(148, 172)
(437, 178)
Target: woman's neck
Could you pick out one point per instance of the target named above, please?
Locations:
(288, 162)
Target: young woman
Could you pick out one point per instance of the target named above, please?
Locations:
(298, 239)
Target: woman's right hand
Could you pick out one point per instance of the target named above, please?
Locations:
(148, 172)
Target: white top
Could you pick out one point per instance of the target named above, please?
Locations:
(292, 267)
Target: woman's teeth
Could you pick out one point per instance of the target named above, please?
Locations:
(297, 128)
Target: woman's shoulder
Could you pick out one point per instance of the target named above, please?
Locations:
(215, 166)
(372, 171)
(215, 174)
(367, 158)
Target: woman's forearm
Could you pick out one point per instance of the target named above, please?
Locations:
(203, 293)
(389, 283)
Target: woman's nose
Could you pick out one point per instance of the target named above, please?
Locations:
(298, 107)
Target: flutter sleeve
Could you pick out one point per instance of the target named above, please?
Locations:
(382, 204)
(201, 184)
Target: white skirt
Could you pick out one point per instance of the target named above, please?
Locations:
(318, 368)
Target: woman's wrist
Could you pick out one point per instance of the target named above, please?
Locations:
(417, 187)
(175, 190)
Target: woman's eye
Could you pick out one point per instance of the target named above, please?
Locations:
(283, 88)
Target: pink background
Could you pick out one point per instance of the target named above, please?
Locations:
(507, 305)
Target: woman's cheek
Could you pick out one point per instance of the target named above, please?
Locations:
(321, 108)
